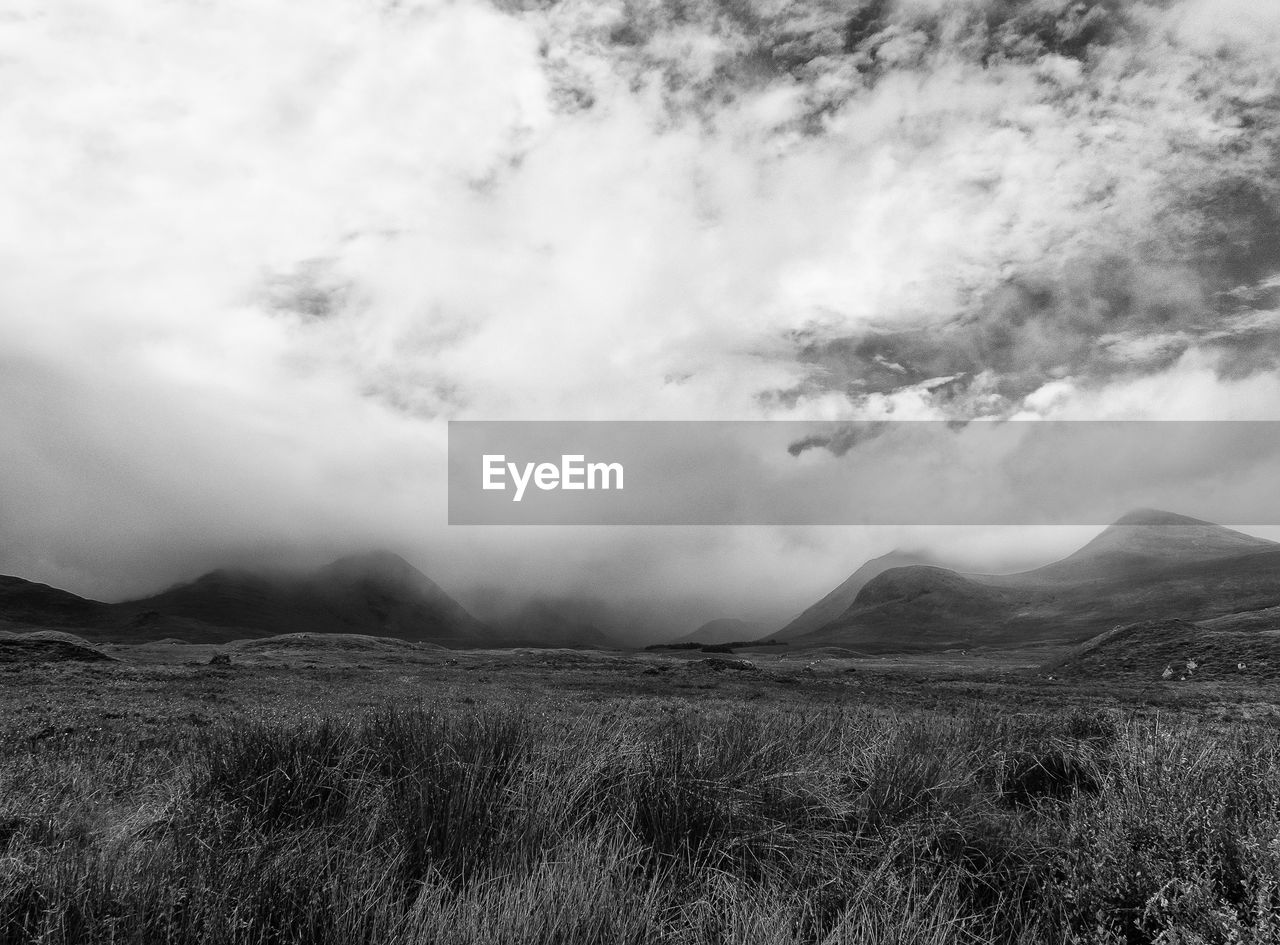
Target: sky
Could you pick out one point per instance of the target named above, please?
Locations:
(254, 255)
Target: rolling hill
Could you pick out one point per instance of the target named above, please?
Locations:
(1186, 649)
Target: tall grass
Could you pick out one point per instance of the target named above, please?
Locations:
(762, 826)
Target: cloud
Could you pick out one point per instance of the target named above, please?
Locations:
(253, 255)
(845, 438)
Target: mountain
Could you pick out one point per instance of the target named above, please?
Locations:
(1141, 542)
(839, 600)
(379, 594)
(25, 604)
(723, 630)
(1148, 565)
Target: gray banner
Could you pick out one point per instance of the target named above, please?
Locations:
(859, 473)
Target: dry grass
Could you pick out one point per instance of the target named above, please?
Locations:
(500, 825)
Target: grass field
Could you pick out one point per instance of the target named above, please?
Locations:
(433, 797)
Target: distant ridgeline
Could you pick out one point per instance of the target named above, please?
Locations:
(1148, 566)
(378, 594)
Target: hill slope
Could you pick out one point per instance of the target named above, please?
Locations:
(1148, 565)
(1141, 542)
(26, 604)
(1149, 647)
(378, 594)
(840, 599)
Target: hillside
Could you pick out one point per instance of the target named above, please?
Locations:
(1186, 649)
(25, 604)
(1147, 566)
(834, 604)
(377, 594)
(1139, 543)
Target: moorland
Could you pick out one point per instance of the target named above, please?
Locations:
(346, 789)
(1087, 752)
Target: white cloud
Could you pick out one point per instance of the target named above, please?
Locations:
(252, 254)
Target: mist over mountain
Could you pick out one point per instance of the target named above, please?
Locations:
(1147, 566)
(378, 594)
(556, 622)
(723, 630)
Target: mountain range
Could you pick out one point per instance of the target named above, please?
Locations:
(378, 594)
(1148, 565)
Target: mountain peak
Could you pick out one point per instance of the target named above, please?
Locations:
(378, 558)
(1147, 538)
(380, 564)
(376, 593)
(1159, 517)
